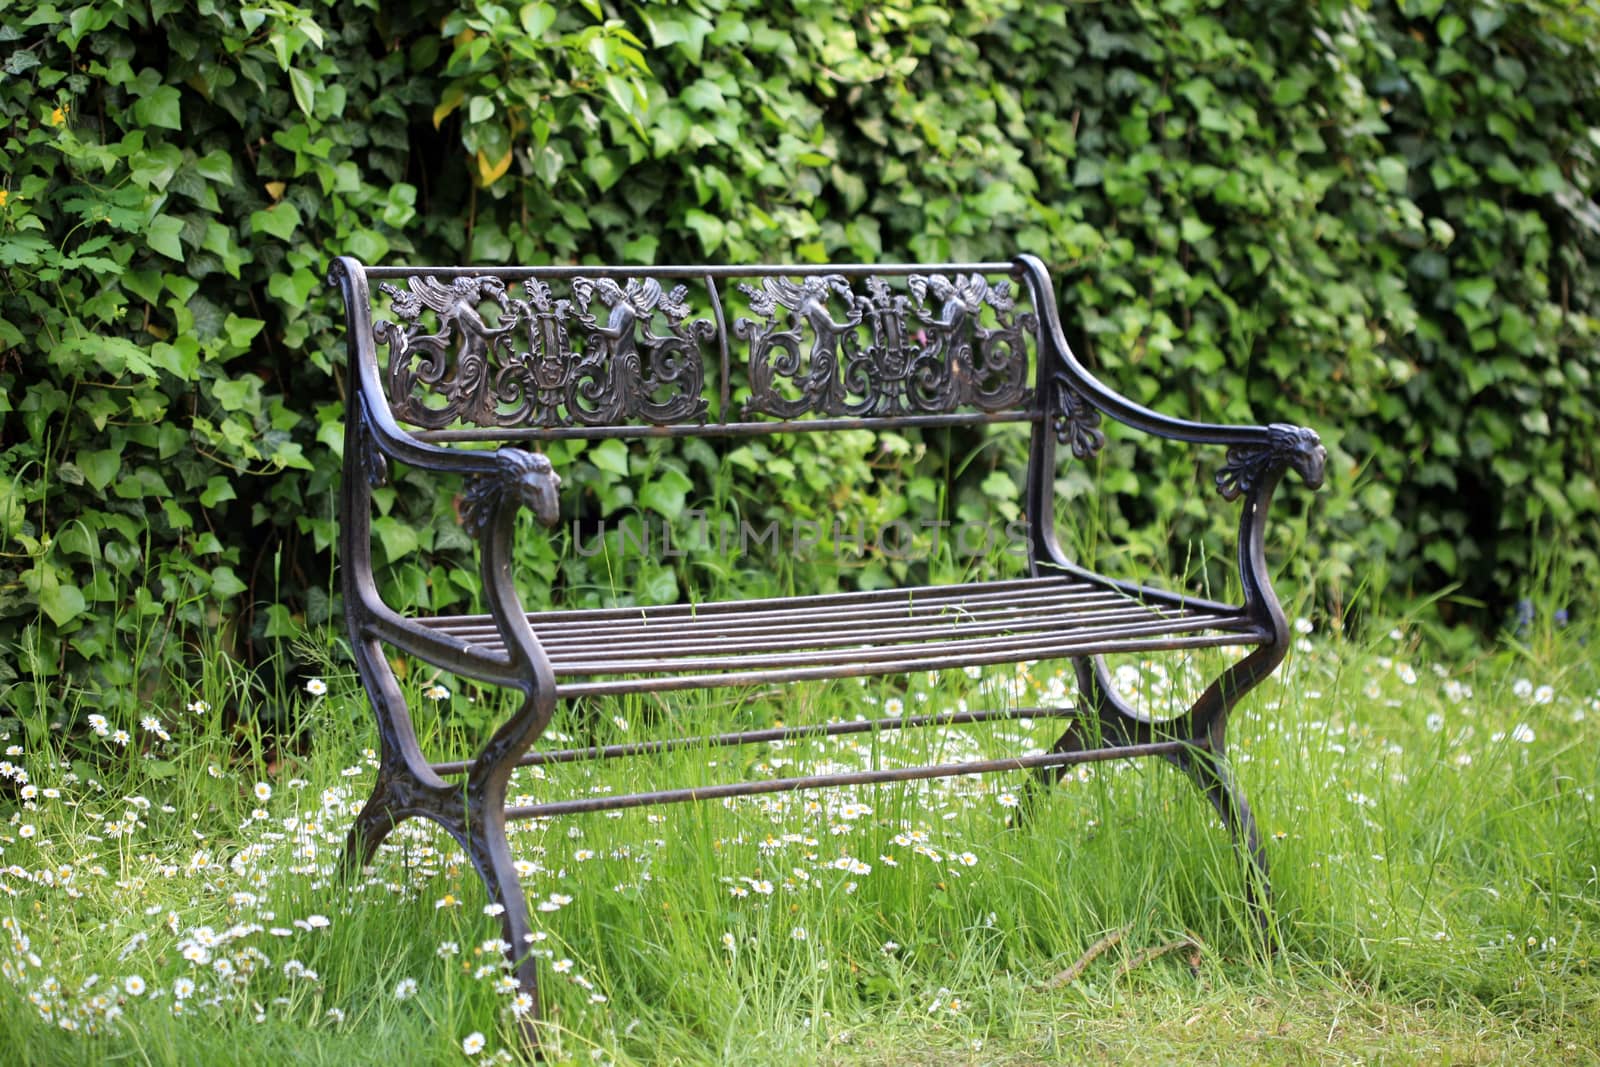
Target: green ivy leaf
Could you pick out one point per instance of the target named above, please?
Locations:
(225, 584)
(216, 166)
(304, 87)
(164, 235)
(281, 622)
(1194, 231)
(1475, 291)
(369, 246)
(145, 284)
(241, 331)
(1000, 485)
(291, 454)
(181, 360)
(658, 585)
(99, 466)
(704, 95)
(292, 289)
(62, 602)
(708, 228)
(666, 493)
(1392, 171)
(398, 539)
(159, 107)
(610, 455)
(536, 19)
(681, 28)
(280, 220)
(240, 394)
(218, 489)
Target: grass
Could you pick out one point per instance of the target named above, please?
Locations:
(1432, 829)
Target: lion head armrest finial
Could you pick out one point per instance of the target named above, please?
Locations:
(1286, 446)
(524, 478)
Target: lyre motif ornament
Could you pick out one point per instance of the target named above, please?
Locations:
(775, 344)
(625, 366)
(921, 351)
(1286, 446)
(546, 360)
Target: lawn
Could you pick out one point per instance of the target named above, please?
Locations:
(171, 893)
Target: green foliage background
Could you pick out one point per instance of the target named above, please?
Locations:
(1376, 219)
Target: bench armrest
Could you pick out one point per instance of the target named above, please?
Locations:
(1257, 458)
(498, 485)
(1253, 451)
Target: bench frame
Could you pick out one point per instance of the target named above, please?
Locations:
(584, 377)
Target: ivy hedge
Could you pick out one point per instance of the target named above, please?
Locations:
(1373, 218)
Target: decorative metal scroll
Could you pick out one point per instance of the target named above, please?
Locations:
(925, 350)
(544, 360)
(1074, 419)
(373, 462)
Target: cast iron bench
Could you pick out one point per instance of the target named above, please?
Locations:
(513, 356)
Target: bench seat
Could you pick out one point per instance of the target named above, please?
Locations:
(747, 642)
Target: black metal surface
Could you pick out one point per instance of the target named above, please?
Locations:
(521, 354)
(678, 272)
(592, 352)
(543, 360)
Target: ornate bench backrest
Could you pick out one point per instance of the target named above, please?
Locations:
(469, 353)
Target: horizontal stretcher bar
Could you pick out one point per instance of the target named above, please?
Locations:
(849, 778)
(777, 733)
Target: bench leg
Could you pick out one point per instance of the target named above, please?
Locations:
(406, 786)
(1208, 769)
(490, 849)
(474, 814)
(1205, 763)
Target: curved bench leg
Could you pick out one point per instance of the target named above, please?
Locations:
(1208, 768)
(405, 786)
(473, 815)
(490, 849)
(1118, 725)
(1205, 763)
(376, 820)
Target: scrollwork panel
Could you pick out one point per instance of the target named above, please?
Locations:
(819, 346)
(474, 350)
